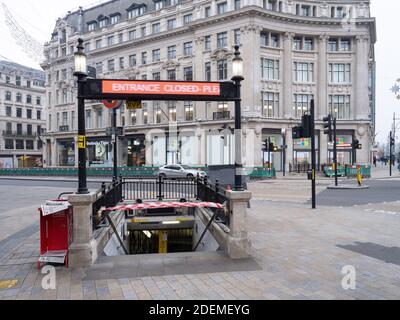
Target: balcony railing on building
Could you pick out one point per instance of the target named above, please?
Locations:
(221, 115)
(63, 129)
(18, 134)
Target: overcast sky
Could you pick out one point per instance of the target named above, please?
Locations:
(38, 18)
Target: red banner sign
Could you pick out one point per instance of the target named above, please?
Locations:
(161, 88)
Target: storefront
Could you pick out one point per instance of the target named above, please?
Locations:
(99, 153)
(344, 142)
(66, 153)
(136, 151)
(302, 152)
(273, 158)
(29, 161)
(6, 162)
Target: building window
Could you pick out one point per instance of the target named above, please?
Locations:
(38, 115)
(189, 111)
(9, 144)
(303, 72)
(99, 67)
(275, 40)
(207, 43)
(207, 12)
(18, 81)
(237, 4)
(221, 7)
(38, 101)
(8, 80)
(19, 129)
(72, 120)
(171, 74)
(156, 76)
(297, 43)
(29, 129)
(339, 106)
(8, 111)
(333, 45)
(269, 69)
(340, 72)
(222, 66)
(143, 32)
(207, 68)
(144, 58)
(111, 65)
(121, 63)
(8, 96)
(8, 127)
(132, 34)
(28, 84)
(270, 104)
(18, 97)
(99, 119)
(110, 41)
(19, 112)
(187, 19)
(187, 49)
(144, 76)
(155, 28)
(301, 104)
(98, 44)
(136, 12)
(308, 44)
(188, 74)
(157, 112)
(171, 52)
(345, 44)
(29, 145)
(19, 144)
(64, 120)
(132, 60)
(159, 5)
(103, 23)
(145, 116)
(92, 26)
(171, 24)
(222, 40)
(133, 117)
(156, 55)
(29, 113)
(172, 111)
(115, 19)
(88, 119)
(236, 37)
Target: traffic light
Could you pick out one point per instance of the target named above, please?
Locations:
(272, 147)
(306, 125)
(269, 146)
(266, 145)
(297, 132)
(392, 141)
(357, 145)
(328, 127)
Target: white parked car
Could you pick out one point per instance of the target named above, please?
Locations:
(180, 171)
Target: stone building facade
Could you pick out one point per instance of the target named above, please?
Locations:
(22, 116)
(293, 51)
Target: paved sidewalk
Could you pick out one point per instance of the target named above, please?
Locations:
(297, 253)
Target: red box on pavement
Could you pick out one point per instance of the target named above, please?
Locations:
(56, 227)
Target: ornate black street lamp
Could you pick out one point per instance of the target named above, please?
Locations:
(81, 74)
(237, 66)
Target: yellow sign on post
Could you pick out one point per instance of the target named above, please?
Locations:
(134, 105)
(82, 142)
(162, 242)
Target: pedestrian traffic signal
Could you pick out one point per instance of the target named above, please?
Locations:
(328, 127)
(269, 146)
(306, 125)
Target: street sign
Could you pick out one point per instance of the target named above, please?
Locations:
(112, 104)
(133, 105)
(144, 90)
(82, 142)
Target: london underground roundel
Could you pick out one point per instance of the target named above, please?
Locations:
(112, 104)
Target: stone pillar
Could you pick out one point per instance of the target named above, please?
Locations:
(238, 244)
(83, 251)
(287, 75)
(361, 83)
(323, 150)
(321, 108)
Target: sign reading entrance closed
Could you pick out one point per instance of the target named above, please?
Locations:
(161, 88)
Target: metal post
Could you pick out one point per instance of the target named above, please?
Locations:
(335, 151)
(390, 153)
(82, 177)
(238, 137)
(313, 155)
(115, 142)
(284, 156)
(269, 153)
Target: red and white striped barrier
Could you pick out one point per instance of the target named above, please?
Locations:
(165, 205)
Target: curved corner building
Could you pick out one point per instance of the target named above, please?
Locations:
(293, 51)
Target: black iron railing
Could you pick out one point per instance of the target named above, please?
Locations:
(108, 196)
(302, 168)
